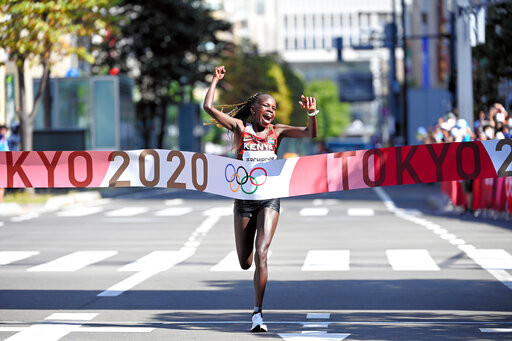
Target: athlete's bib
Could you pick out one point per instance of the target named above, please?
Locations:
(257, 149)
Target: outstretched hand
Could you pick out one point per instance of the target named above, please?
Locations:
(308, 103)
(219, 72)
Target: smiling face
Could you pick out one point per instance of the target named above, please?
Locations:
(264, 110)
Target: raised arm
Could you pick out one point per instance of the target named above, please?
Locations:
(225, 120)
(309, 104)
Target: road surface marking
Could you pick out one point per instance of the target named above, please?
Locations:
(174, 211)
(315, 325)
(313, 336)
(159, 261)
(313, 211)
(492, 259)
(361, 212)
(7, 257)
(327, 260)
(48, 331)
(496, 330)
(174, 202)
(24, 217)
(80, 211)
(126, 212)
(318, 316)
(72, 316)
(74, 261)
(231, 263)
(411, 260)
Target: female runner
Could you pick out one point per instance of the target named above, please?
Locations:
(256, 220)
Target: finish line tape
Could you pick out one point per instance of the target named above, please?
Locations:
(243, 180)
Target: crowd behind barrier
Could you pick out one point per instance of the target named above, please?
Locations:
(488, 197)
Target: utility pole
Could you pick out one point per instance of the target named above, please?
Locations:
(393, 83)
(404, 66)
(464, 63)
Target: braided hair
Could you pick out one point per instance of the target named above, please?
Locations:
(241, 111)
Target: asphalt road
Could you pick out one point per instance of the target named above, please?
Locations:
(159, 265)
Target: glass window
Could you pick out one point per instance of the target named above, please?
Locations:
(73, 106)
(104, 114)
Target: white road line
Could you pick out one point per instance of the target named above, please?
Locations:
(44, 332)
(492, 259)
(1, 223)
(7, 257)
(49, 331)
(314, 336)
(315, 325)
(115, 329)
(126, 212)
(156, 261)
(411, 260)
(72, 316)
(74, 261)
(159, 261)
(496, 330)
(80, 211)
(313, 211)
(24, 217)
(230, 263)
(327, 260)
(318, 316)
(173, 211)
(174, 202)
(361, 212)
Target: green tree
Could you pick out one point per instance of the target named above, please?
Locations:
(35, 31)
(334, 115)
(167, 46)
(493, 59)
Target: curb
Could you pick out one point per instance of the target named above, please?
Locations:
(59, 201)
(52, 204)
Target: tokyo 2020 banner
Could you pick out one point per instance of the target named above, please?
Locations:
(243, 180)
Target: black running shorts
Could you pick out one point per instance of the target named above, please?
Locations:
(248, 208)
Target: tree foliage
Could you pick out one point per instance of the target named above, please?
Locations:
(493, 60)
(166, 46)
(38, 31)
(248, 73)
(334, 115)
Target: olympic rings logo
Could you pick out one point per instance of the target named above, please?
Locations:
(234, 176)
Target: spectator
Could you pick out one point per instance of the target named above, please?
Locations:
(14, 139)
(4, 147)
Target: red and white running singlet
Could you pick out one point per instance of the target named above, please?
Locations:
(257, 149)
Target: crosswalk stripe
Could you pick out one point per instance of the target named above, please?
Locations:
(173, 211)
(360, 212)
(497, 259)
(74, 261)
(174, 202)
(156, 261)
(80, 211)
(231, 263)
(126, 212)
(7, 257)
(327, 260)
(411, 260)
(313, 211)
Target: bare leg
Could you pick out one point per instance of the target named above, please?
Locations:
(245, 229)
(266, 225)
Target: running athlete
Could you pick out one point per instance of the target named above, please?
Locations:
(257, 140)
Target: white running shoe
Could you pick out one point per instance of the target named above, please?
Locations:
(257, 324)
